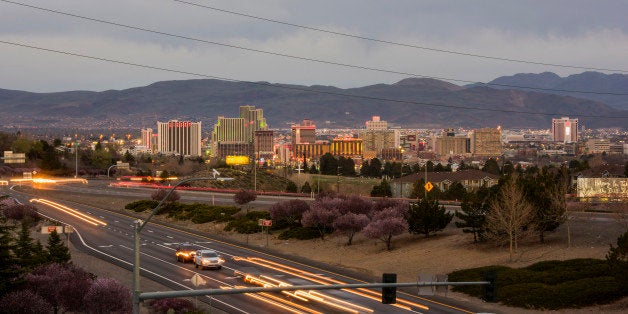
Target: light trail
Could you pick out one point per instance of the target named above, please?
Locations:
(363, 292)
(265, 281)
(70, 211)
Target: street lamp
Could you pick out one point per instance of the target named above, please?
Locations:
(139, 225)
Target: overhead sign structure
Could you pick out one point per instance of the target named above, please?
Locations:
(428, 186)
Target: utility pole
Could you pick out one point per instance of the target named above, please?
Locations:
(338, 179)
(76, 160)
(138, 226)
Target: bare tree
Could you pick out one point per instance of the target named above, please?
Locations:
(244, 197)
(509, 213)
(161, 193)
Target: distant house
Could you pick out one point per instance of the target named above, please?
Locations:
(471, 179)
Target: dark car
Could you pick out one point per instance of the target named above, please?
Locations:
(185, 252)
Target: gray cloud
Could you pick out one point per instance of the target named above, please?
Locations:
(585, 33)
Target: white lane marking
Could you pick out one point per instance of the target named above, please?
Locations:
(103, 246)
(144, 269)
(169, 237)
(169, 248)
(101, 217)
(116, 221)
(151, 231)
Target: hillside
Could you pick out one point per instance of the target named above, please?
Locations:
(413, 102)
(587, 81)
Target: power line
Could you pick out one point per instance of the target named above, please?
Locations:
(291, 87)
(398, 43)
(406, 74)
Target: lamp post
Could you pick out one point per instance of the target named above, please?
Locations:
(139, 225)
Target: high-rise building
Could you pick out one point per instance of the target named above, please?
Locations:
(237, 135)
(377, 137)
(147, 134)
(253, 121)
(449, 145)
(263, 144)
(179, 137)
(565, 130)
(376, 124)
(304, 133)
(486, 142)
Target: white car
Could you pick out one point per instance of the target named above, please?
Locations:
(208, 259)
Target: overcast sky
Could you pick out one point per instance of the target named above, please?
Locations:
(579, 33)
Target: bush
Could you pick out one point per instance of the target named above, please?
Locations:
(178, 306)
(570, 294)
(243, 225)
(140, 206)
(21, 212)
(300, 233)
(256, 214)
(548, 285)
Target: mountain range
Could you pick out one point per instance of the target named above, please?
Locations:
(409, 103)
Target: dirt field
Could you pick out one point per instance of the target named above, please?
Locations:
(414, 255)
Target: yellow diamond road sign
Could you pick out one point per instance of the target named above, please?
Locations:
(428, 186)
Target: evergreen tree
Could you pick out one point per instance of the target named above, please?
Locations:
(9, 270)
(25, 248)
(472, 216)
(329, 164)
(376, 168)
(491, 166)
(426, 217)
(456, 191)
(291, 187)
(382, 190)
(365, 169)
(418, 189)
(128, 157)
(57, 251)
(347, 167)
(306, 188)
(617, 259)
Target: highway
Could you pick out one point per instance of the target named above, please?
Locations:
(109, 235)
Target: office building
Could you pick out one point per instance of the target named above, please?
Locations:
(179, 137)
(146, 136)
(565, 130)
(598, 146)
(450, 145)
(237, 135)
(486, 142)
(347, 147)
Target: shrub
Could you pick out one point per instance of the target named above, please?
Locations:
(21, 212)
(24, 301)
(300, 233)
(140, 206)
(243, 225)
(549, 285)
(256, 214)
(179, 306)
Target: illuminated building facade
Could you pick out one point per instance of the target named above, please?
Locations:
(146, 135)
(347, 147)
(179, 137)
(565, 130)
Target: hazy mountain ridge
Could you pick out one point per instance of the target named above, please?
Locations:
(586, 81)
(412, 102)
